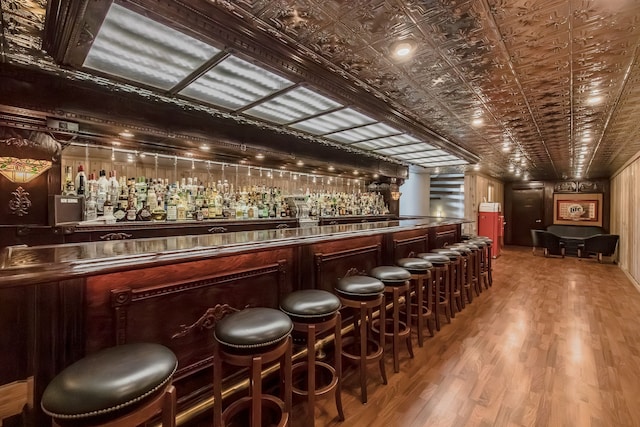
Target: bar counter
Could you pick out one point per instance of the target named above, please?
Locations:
(23, 265)
(59, 303)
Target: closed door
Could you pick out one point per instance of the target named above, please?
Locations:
(526, 213)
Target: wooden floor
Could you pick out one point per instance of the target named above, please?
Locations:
(554, 342)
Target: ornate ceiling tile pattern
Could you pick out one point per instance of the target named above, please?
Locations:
(530, 69)
(551, 87)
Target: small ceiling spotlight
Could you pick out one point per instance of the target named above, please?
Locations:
(204, 147)
(403, 49)
(476, 167)
(300, 163)
(506, 147)
(477, 121)
(126, 134)
(331, 168)
(259, 156)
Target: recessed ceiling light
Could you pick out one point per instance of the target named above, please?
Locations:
(506, 147)
(300, 163)
(356, 172)
(477, 122)
(204, 147)
(595, 100)
(476, 167)
(259, 156)
(331, 168)
(126, 134)
(403, 49)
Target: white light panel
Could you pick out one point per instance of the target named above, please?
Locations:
(411, 148)
(421, 154)
(390, 141)
(444, 163)
(134, 47)
(332, 122)
(234, 83)
(376, 130)
(292, 105)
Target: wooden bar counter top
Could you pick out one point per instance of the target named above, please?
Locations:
(59, 303)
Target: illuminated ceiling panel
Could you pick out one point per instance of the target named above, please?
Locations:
(411, 148)
(421, 154)
(332, 122)
(235, 83)
(295, 104)
(428, 164)
(390, 141)
(136, 48)
(376, 130)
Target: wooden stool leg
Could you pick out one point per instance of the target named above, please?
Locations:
(287, 362)
(311, 374)
(383, 321)
(169, 408)
(436, 296)
(363, 353)
(396, 330)
(217, 388)
(256, 392)
(408, 339)
(420, 300)
(338, 365)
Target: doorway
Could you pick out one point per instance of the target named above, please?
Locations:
(527, 213)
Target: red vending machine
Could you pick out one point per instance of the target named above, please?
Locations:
(491, 224)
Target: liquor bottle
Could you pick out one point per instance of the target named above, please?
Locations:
(205, 209)
(120, 212)
(69, 188)
(107, 208)
(152, 199)
(144, 214)
(131, 210)
(81, 181)
(90, 210)
(103, 188)
(114, 187)
(159, 214)
(172, 209)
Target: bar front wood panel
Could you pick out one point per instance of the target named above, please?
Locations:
(403, 243)
(442, 236)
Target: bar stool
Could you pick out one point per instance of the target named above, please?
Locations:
(489, 243)
(253, 338)
(421, 310)
(475, 266)
(467, 271)
(440, 284)
(455, 278)
(484, 263)
(364, 294)
(313, 312)
(121, 386)
(396, 282)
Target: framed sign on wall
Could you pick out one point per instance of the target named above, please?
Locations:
(578, 209)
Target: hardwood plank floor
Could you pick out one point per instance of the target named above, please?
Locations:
(554, 342)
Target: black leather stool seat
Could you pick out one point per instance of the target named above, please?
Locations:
(391, 275)
(470, 245)
(479, 243)
(462, 248)
(359, 287)
(253, 328)
(485, 238)
(310, 305)
(435, 259)
(452, 254)
(109, 381)
(414, 265)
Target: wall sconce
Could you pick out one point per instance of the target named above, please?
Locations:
(394, 191)
(22, 170)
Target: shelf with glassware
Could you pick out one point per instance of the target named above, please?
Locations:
(189, 195)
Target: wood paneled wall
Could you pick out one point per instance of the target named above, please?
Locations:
(625, 221)
(479, 188)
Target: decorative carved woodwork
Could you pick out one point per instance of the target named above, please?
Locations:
(115, 236)
(207, 321)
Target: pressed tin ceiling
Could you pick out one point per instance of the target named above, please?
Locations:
(548, 87)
